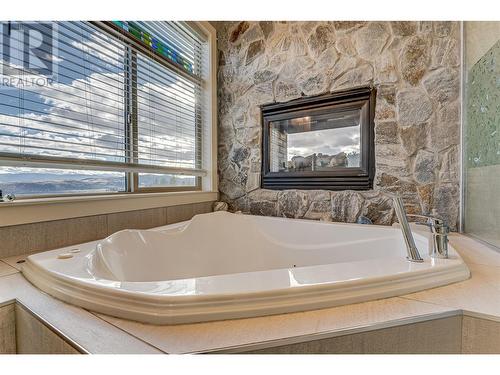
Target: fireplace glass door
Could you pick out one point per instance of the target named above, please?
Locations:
(320, 142)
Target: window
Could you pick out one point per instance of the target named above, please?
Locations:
(101, 107)
(322, 142)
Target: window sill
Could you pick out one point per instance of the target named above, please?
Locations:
(56, 208)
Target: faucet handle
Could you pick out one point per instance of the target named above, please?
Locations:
(436, 224)
(440, 230)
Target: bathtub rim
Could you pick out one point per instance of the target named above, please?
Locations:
(161, 309)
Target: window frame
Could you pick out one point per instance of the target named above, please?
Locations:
(205, 141)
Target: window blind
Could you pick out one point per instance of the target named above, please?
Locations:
(117, 103)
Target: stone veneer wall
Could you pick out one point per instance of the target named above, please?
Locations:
(413, 65)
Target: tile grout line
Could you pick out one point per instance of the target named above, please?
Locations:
(430, 303)
(463, 311)
(452, 308)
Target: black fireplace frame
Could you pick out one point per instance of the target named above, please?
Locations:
(348, 178)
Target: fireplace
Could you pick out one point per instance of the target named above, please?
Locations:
(321, 142)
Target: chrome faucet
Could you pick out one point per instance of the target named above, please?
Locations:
(439, 230)
(411, 249)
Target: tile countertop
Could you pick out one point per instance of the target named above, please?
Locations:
(96, 333)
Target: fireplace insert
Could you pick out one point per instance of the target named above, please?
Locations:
(320, 142)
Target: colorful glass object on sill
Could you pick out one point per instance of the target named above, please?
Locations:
(156, 45)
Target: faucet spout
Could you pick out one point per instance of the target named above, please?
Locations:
(413, 254)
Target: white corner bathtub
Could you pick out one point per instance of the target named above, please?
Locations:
(222, 265)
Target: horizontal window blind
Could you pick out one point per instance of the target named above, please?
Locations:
(117, 102)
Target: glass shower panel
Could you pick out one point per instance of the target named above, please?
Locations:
(481, 161)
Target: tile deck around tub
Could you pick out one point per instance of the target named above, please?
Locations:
(15, 261)
(474, 252)
(99, 333)
(478, 295)
(260, 332)
(6, 269)
(73, 323)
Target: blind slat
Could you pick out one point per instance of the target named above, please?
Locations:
(69, 163)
